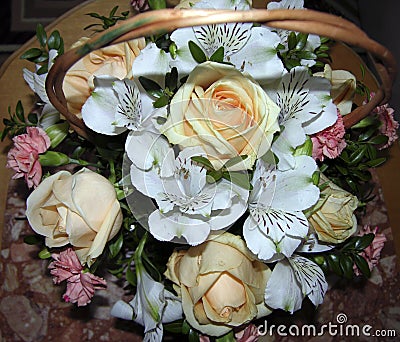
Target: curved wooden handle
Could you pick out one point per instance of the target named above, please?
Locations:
(167, 20)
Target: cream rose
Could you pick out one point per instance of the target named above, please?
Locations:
(343, 89)
(221, 284)
(114, 60)
(80, 209)
(225, 112)
(333, 216)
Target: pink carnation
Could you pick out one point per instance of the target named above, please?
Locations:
(140, 5)
(80, 285)
(329, 142)
(389, 125)
(23, 158)
(248, 334)
(372, 253)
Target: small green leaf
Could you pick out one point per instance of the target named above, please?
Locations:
(54, 41)
(235, 160)
(33, 239)
(116, 246)
(44, 254)
(346, 264)
(202, 161)
(42, 70)
(362, 265)
(161, 102)
(113, 11)
(229, 337)
(174, 327)
(151, 87)
(19, 111)
(364, 241)
(130, 276)
(367, 134)
(198, 54)
(31, 53)
(44, 57)
(213, 176)
(171, 79)
(301, 41)
(292, 40)
(357, 155)
(193, 336)
(307, 55)
(376, 162)
(41, 35)
(378, 140)
(333, 262)
(218, 55)
(239, 178)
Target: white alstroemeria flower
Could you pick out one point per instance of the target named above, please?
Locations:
(306, 108)
(115, 106)
(189, 208)
(293, 279)
(276, 225)
(151, 306)
(37, 82)
(249, 49)
(313, 41)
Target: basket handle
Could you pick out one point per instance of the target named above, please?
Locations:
(167, 20)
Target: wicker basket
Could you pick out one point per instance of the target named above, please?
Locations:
(167, 20)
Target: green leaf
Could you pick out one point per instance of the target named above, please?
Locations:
(239, 178)
(41, 35)
(292, 40)
(378, 140)
(218, 55)
(151, 87)
(130, 276)
(367, 121)
(357, 155)
(235, 160)
(116, 246)
(346, 264)
(113, 11)
(33, 239)
(307, 55)
(202, 161)
(161, 102)
(42, 70)
(44, 254)
(171, 79)
(157, 4)
(229, 337)
(19, 111)
(198, 54)
(301, 41)
(213, 176)
(333, 262)
(193, 336)
(54, 41)
(364, 241)
(367, 134)
(31, 53)
(362, 265)
(376, 162)
(174, 327)
(42, 58)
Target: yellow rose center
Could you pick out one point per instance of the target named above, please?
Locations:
(226, 295)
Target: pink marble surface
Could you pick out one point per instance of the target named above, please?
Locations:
(31, 308)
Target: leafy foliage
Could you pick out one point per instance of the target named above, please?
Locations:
(16, 123)
(106, 22)
(341, 259)
(40, 55)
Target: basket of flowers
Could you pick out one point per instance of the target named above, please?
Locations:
(206, 155)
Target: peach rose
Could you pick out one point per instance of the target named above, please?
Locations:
(81, 209)
(114, 60)
(221, 284)
(225, 112)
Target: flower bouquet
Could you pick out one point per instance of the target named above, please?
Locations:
(216, 167)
